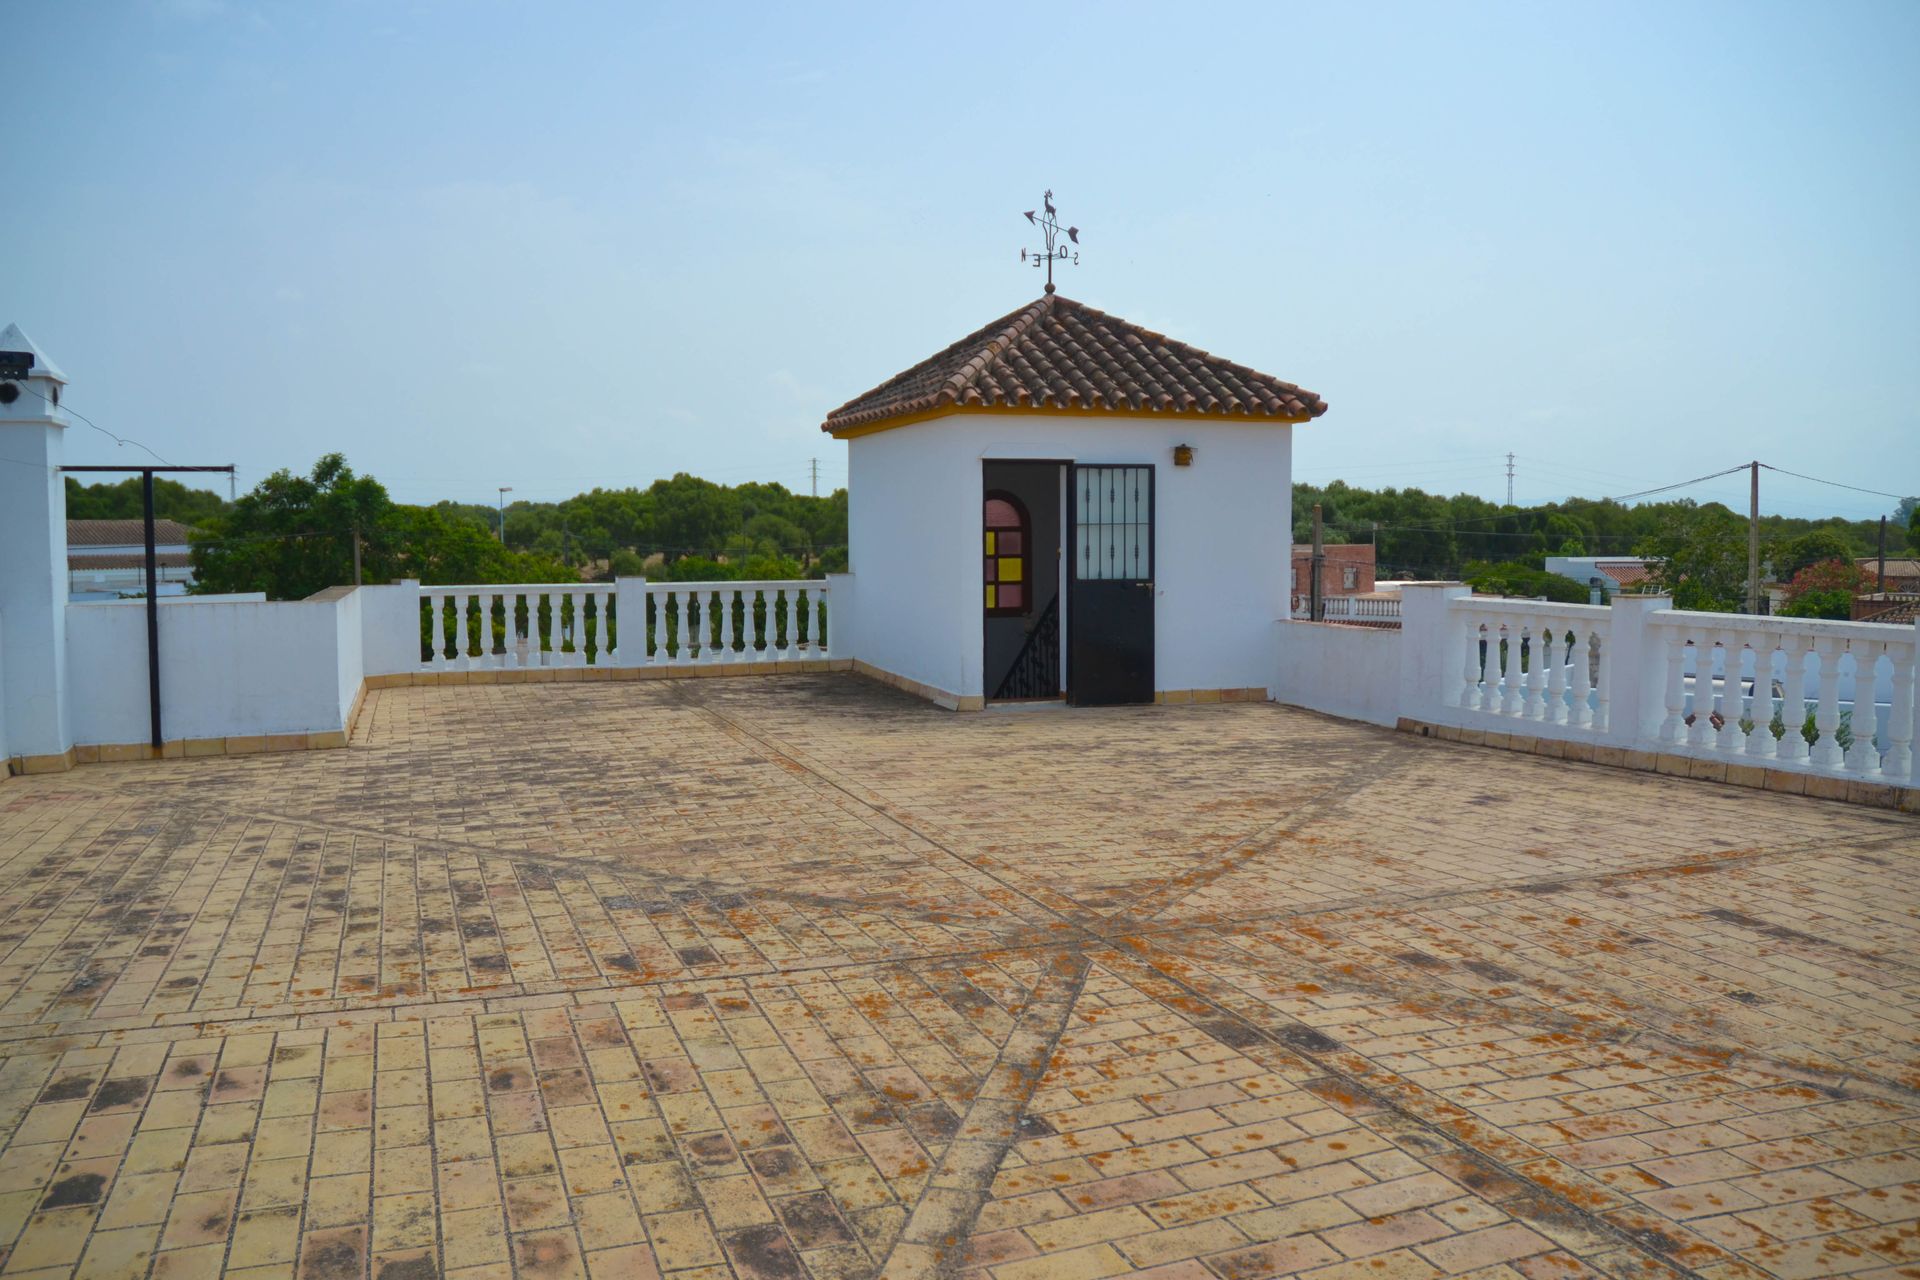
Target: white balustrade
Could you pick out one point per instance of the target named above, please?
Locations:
(1373, 610)
(1532, 660)
(705, 623)
(517, 626)
(533, 625)
(1752, 704)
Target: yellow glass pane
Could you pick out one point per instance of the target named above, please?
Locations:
(1010, 569)
(989, 542)
(989, 597)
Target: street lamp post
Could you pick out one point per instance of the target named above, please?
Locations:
(505, 489)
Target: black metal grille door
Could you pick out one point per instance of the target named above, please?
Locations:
(1110, 594)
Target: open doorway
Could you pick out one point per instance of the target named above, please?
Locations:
(1022, 532)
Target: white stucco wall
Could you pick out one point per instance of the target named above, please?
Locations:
(1352, 672)
(33, 574)
(1224, 534)
(226, 670)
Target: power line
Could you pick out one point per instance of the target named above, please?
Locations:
(118, 440)
(1897, 497)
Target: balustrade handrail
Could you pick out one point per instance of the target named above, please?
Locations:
(1512, 607)
(515, 625)
(1748, 624)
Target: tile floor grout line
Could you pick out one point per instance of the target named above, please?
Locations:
(1363, 1089)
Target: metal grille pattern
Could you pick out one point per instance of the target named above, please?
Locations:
(1113, 522)
(1036, 672)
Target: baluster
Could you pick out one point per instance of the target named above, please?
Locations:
(1760, 743)
(1793, 709)
(436, 608)
(1726, 695)
(1673, 729)
(1601, 714)
(460, 631)
(1511, 679)
(1533, 699)
(1579, 709)
(1864, 756)
(689, 625)
(760, 625)
(1826, 753)
(1700, 732)
(1555, 649)
(780, 624)
(579, 630)
(487, 657)
(727, 597)
(1898, 765)
(1470, 674)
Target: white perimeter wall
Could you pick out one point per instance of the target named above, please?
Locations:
(1224, 533)
(226, 670)
(1352, 672)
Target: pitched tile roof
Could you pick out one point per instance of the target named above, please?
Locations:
(1059, 354)
(1628, 573)
(126, 560)
(123, 533)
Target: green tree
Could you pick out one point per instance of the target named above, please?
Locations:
(1699, 556)
(1513, 578)
(291, 536)
(1816, 546)
(121, 500)
(1825, 590)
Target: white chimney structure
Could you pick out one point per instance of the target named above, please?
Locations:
(36, 733)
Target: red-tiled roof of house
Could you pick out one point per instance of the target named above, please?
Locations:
(122, 533)
(1059, 354)
(1628, 573)
(124, 560)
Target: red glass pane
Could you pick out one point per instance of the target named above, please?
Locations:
(1001, 514)
(1011, 596)
(1009, 544)
(990, 576)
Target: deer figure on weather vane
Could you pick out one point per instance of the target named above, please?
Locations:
(1049, 224)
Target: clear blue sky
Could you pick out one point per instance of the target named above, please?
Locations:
(555, 245)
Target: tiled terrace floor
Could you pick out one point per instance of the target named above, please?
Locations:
(783, 977)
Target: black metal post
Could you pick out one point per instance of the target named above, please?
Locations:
(153, 582)
(153, 607)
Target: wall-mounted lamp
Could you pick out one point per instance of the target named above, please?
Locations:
(1183, 455)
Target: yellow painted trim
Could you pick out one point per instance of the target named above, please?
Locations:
(1187, 415)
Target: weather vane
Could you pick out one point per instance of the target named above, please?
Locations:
(1049, 223)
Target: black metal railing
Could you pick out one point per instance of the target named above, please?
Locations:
(1036, 672)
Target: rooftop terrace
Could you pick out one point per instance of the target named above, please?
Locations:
(798, 976)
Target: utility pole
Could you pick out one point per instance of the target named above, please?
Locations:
(816, 476)
(1509, 479)
(505, 489)
(1753, 541)
(1883, 555)
(1316, 606)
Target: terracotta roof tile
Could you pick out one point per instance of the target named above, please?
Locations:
(1628, 573)
(122, 560)
(1058, 354)
(121, 533)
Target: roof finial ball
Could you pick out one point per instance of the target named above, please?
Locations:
(1049, 224)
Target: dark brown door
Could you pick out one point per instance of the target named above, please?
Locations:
(1110, 584)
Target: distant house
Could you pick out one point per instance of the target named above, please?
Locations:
(1614, 574)
(1903, 573)
(106, 559)
(1345, 570)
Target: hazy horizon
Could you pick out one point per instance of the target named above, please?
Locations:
(481, 245)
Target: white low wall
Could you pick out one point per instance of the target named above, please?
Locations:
(1352, 672)
(226, 670)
